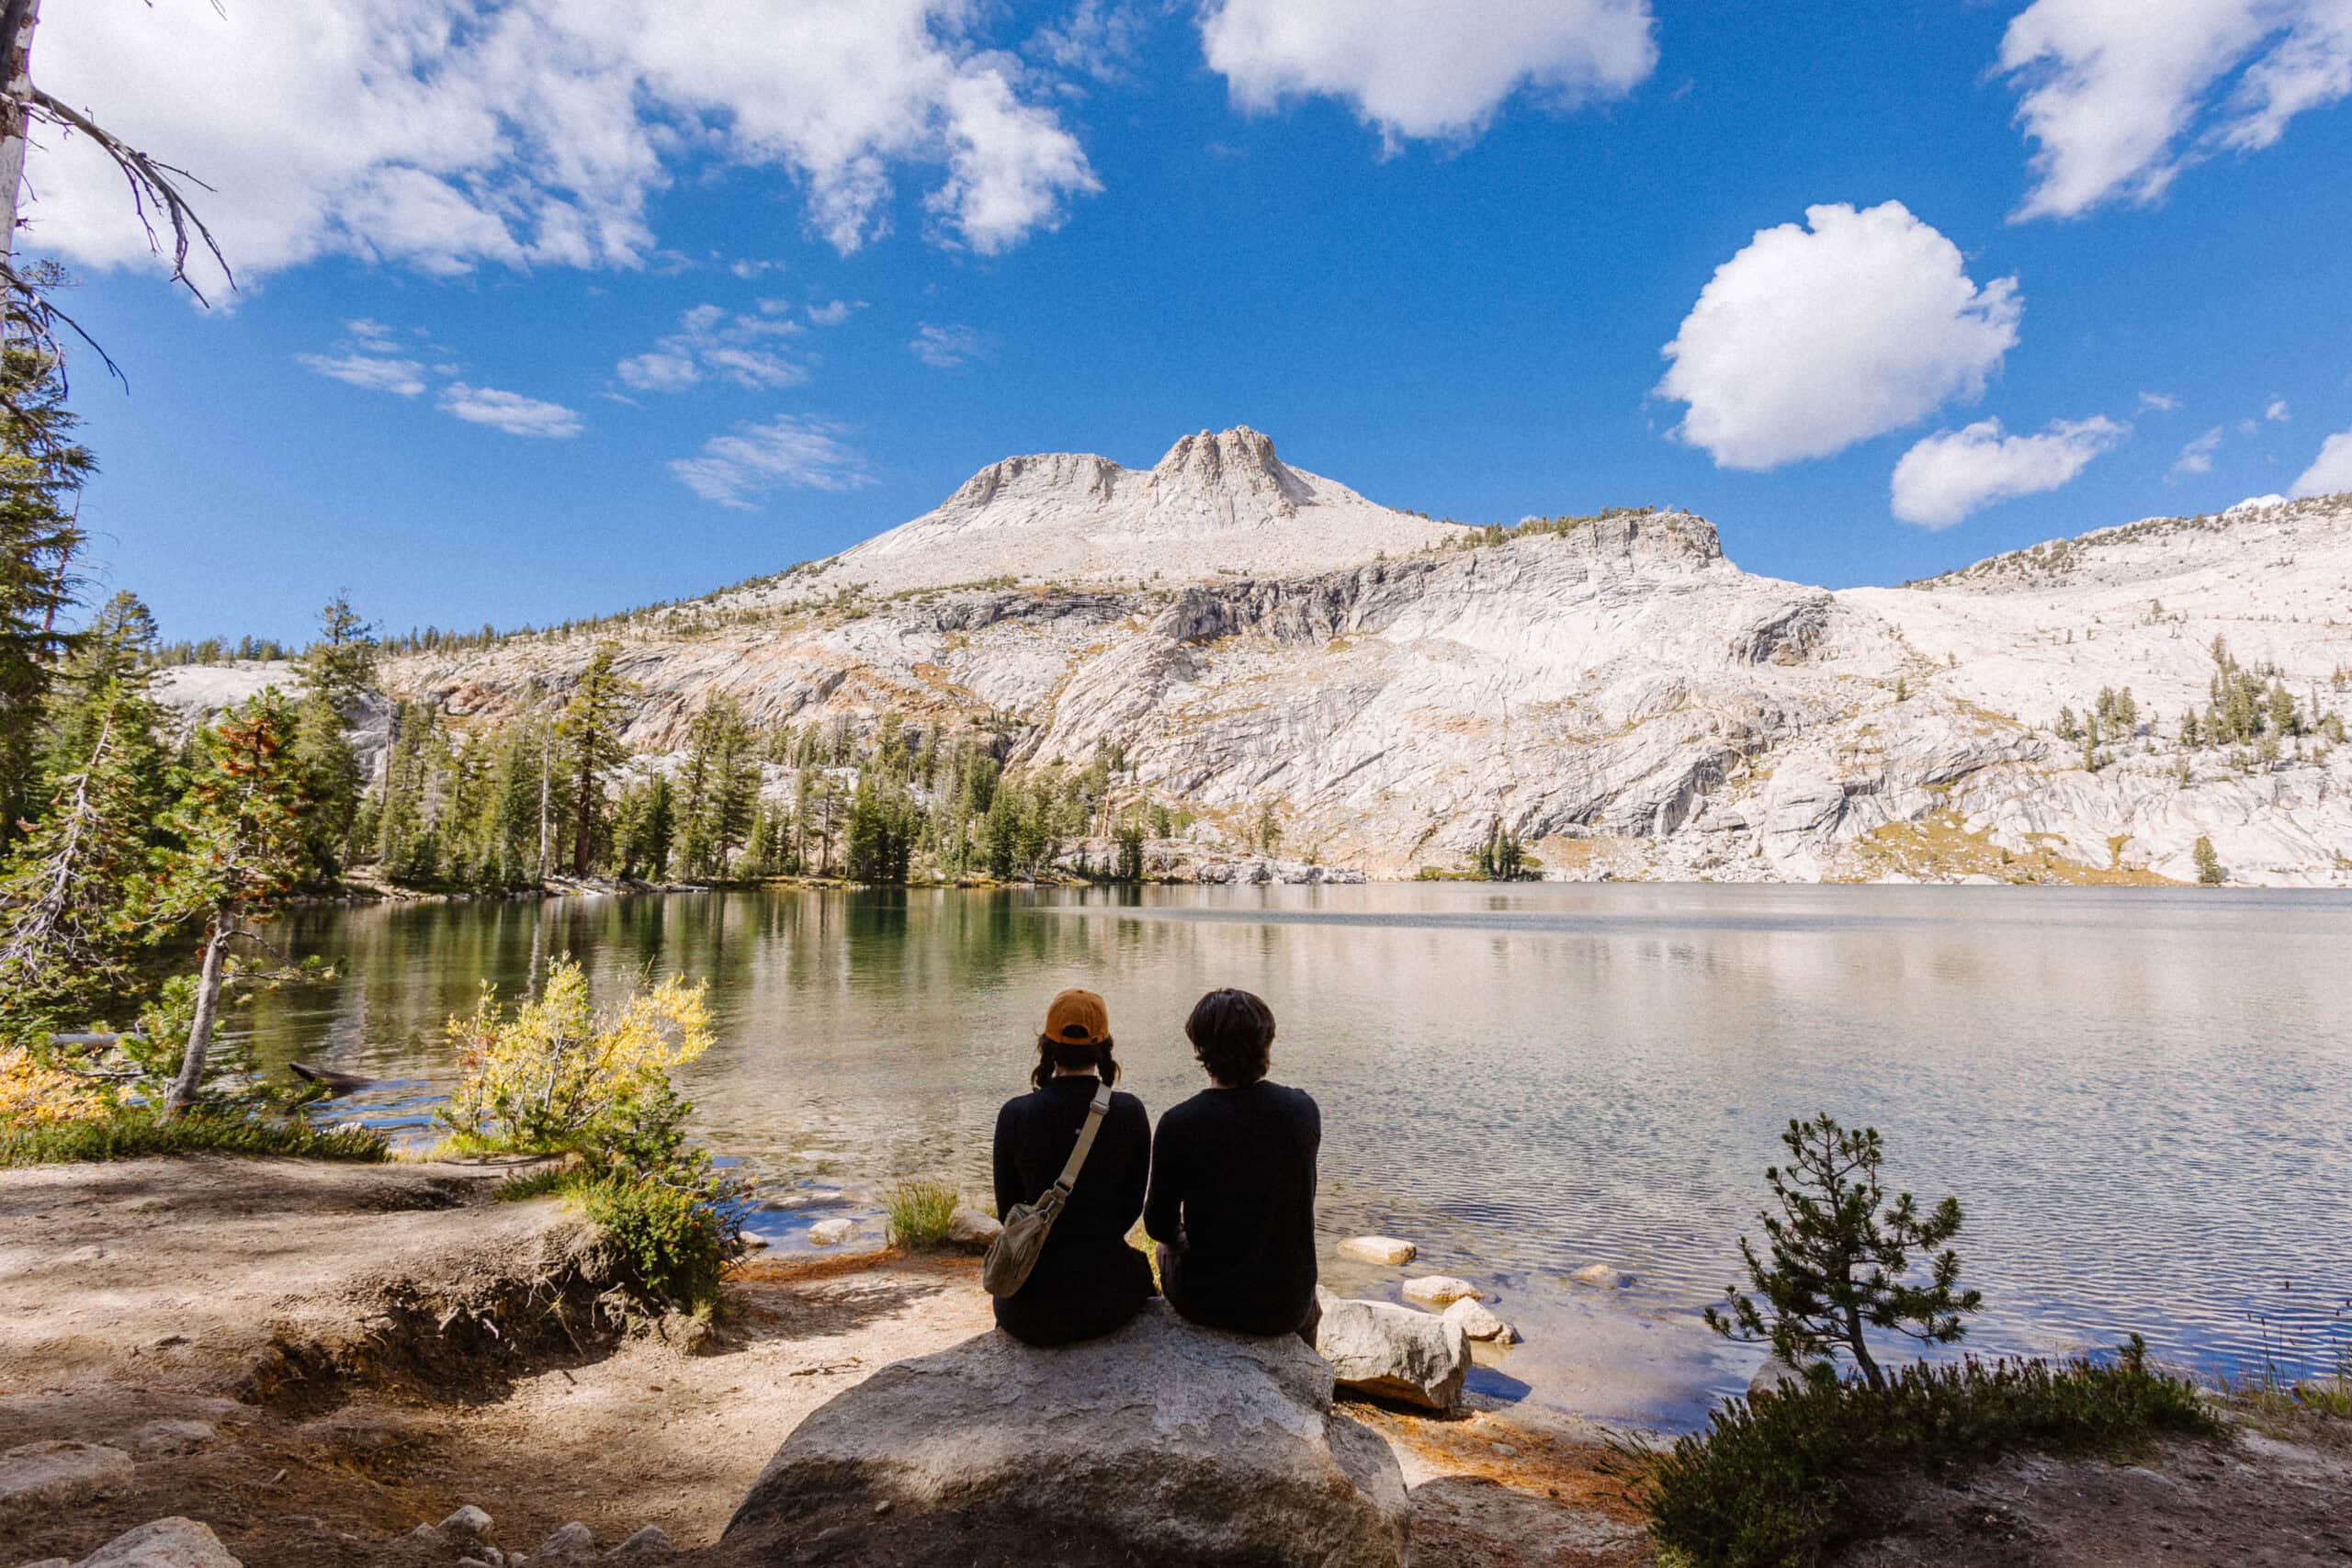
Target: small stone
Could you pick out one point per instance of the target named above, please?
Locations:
(60, 1474)
(1506, 1451)
(831, 1233)
(1601, 1274)
(469, 1522)
(49, 1563)
(883, 1506)
(1385, 1250)
(575, 1539)
(172, 1436)
(1441, 1290)
(163, 1543)
(651, 1541)
(1478, 1323)
(971, 1228)
(753, 1243)
(473, 1563)
(426, 1536)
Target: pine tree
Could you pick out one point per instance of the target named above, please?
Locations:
(241, 825)
(1839, 1255)
(338, 671)
(2208, 864)
(72, 888)
(41, 472)
(590, 735)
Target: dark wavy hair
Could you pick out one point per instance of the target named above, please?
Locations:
(1076, 1057)
(1231, 1032)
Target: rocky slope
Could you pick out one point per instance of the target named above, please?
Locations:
(1610, 689)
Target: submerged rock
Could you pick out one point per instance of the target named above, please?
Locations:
(1441, 1290)
(1163, 1442)
(1476, 1322)
(1392, 1351)
(1383, 1249)
(1601, 1274)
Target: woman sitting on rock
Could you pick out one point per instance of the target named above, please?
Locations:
(1233, 1182)
(1088, 1281)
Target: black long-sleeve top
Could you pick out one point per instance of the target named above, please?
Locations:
(1233, 1186)
(1086, 1258)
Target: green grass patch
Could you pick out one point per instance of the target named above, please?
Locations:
(547, 1181)
(137, 1133)
(919, 1214)
(1776, 1481)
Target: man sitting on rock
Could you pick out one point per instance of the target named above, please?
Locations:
(1232, 1201)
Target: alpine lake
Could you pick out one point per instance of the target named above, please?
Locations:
(2142, 1097)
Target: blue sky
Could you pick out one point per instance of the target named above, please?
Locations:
(1435, 250)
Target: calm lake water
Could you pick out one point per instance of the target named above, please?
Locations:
(2142, 1097)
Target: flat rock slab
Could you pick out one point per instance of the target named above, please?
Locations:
(59, 1475)
(1162, 1443)
(1385, 1250)
(1441, 1290)
(1392, 1352)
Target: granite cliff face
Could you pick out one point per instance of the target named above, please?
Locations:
(1611, 690)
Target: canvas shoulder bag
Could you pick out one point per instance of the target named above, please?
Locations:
(1015, 1252)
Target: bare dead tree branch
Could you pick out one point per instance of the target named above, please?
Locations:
(155, 189)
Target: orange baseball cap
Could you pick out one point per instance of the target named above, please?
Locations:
(1078, 1017)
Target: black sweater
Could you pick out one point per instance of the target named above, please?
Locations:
(1087, 1269)
(1233, 1186)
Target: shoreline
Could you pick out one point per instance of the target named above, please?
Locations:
(305, 1358)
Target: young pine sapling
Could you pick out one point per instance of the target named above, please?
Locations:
(1839, 1257)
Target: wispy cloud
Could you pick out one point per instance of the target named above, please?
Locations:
(714, 342)
(943, 348)
(509, 411)
(403, 378)
(754, 460)
(2162, 402)
(2276, 412)
(2197, 457)
(830, 314)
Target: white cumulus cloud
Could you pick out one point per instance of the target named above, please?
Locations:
(2120, 96)
(510, 411)
(2332, 471)
(1814, 338)
(1952, 473)
(448, 134)
(1420, 69)
(735, 469)
(2276, 412)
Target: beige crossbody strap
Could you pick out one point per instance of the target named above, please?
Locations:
(1095, 1113)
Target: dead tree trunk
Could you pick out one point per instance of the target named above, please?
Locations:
(207, 1007)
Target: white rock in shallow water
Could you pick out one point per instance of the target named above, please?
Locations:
(971, 1228)
(1392, 1351)
(163, 1543)
(1441, 1290)
(1601, 1274)
(58, 1474)
(1773, 1376)
(1159, 1442)
(831, 1233)
(1476, 1322)
(1385, 1250)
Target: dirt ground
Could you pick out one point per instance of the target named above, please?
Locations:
(279, 1302)
(372, 1347)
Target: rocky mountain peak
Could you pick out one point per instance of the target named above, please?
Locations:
(1230, 475)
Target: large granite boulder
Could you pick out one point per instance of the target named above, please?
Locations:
(1392, 1352)
(1163, 1443)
